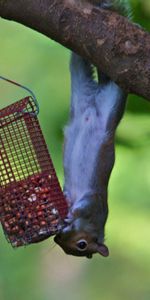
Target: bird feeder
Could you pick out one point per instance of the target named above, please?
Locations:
(32, 205)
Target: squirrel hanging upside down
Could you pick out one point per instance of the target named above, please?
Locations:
(96, 109)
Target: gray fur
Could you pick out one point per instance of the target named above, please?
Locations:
(95, 112)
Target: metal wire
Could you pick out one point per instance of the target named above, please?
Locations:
(28, 90)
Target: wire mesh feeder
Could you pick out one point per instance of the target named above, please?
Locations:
(32, 205)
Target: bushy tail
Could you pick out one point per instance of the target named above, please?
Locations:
(120, 6)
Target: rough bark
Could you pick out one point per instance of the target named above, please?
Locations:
(116, 46)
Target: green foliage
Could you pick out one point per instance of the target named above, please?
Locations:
(38, 272)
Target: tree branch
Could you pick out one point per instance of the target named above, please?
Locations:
(111, 42)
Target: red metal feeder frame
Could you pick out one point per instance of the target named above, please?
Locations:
(32, 205)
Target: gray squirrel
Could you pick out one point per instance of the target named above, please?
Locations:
(96, 109)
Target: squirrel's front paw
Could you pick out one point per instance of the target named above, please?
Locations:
(81, 209)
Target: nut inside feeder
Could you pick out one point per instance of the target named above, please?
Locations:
(32, 205)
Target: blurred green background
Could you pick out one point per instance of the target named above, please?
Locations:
(42, 271)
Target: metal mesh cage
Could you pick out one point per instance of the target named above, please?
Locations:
(32, 205)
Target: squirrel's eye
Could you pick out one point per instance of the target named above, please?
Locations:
(82, 245)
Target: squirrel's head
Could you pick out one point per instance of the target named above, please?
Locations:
(81, 242)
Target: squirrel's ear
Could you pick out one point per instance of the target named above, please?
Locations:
(103, 250)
